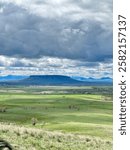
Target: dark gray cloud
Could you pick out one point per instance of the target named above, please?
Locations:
(80, 30)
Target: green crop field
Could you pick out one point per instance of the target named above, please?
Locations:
(62, 120)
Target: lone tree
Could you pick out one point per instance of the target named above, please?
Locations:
(3, 109)
(34, 121)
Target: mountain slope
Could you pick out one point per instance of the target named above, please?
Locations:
(54, 80)
(50, 80)
(12, 78)
(90, 79)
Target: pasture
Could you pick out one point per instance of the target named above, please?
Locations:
(79, 111)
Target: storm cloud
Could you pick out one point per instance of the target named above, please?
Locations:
(65, 29)
(56, 37)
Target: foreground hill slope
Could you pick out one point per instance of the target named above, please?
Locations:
(22, 138)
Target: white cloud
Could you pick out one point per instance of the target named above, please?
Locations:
(47, 65)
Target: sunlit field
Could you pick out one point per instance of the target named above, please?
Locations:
(52, 118)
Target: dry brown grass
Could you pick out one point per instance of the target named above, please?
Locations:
(23, 138)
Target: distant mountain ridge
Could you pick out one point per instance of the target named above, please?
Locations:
(103, 79)
(54, 80)
(12, 77)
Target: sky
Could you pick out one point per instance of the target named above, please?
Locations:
(63, 37)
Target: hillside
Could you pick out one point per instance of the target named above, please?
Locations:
(22, 138)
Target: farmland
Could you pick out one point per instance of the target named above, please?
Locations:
(80, 113)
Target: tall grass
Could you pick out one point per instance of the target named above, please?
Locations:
(23, 138)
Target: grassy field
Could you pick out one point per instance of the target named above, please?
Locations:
(58, 117)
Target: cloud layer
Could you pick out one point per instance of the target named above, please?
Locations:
(78, 30)
(47, 65)
(66, 29)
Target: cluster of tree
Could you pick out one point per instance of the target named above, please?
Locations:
(73, 107)
(3, 109)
